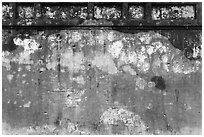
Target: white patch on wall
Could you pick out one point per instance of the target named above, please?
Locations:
(132, 57)
(145, 38)
(113, 116)
(30, 46)
(143, 64)
(150, 49)
(110, 36)
(115, 48)
(105, 63)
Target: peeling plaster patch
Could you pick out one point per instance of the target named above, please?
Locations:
(115, 48)
(27, 105)
(158, 46)
(124, 57)
(9, 77)
(140, 83)
(105, 63)
(28, 44)
(150, 49)
(128, 69)
(184, 66)
(143, 63)
(132, 57)
(177, 68)
(145, 38)
(110, 36)
(113, 116)
(71, 127)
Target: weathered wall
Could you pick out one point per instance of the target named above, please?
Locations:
(77, 75)
(101, 81)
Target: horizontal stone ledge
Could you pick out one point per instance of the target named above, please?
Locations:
(53, 27)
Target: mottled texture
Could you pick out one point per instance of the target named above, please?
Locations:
(173, 12)
(7, 14)
(65, 12)
(98, 82)
(106, 12)
(136, 12)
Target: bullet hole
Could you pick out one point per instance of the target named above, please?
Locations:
(164, 115)
(40, 71)
(40, 47)
(74, 48)
(159, 82)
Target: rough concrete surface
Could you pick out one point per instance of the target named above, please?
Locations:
(98, 82)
